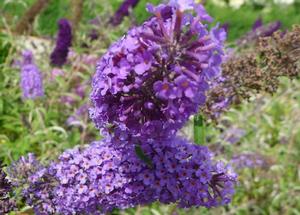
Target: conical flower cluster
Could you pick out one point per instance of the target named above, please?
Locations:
(145, 88)
(158, 72)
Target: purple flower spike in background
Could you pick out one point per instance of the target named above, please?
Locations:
(249, 160)
(259, 30)
(123, 11)
(258, 23)
(31, 78)
(158, 73)
(63, 43)
(27, 57)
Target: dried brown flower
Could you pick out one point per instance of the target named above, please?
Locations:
(255, 70)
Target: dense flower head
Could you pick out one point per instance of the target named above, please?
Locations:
(158, 72)
(111, 174)
(63, 43)
(31, 78)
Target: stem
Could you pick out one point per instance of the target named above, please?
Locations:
(199, 130)
(77, 9)
(28, 18)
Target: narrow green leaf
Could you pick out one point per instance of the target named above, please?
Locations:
(141, 155)
(199, 130)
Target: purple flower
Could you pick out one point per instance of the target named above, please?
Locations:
(258, 23)
(180, 172)
(31, 82)
(78, 116)
(63, 43)
(56, 73)
(259, 30)
(31, 78)
(225, 26)
(123, 11)
(6, 203)
(249, 160)
(233, 135)
(158, 72)
(36, 182)
(27, 57)
(165, 90)
(93, 34)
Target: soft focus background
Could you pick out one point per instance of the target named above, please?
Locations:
(262, 137)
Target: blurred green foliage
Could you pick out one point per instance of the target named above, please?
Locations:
(240, 20)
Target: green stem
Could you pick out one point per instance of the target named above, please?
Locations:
(199, 130)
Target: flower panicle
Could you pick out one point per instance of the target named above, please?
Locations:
(59, 55)
(31, 81)
(158, 72)
(108, 174)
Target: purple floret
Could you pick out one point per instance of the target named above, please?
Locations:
(63, 43)
(158, 71)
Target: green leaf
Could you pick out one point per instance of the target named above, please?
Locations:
(141, 155)
(199, 130)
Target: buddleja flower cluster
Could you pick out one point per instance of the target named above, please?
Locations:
(158, 71)
(31, 78)
(145, 88)
(63, 43)
(108, 174)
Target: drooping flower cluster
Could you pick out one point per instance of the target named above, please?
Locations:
(31, 78)
(123, 11)
(158, 71)
(6, 203)
(108, 174)
(63, 43)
